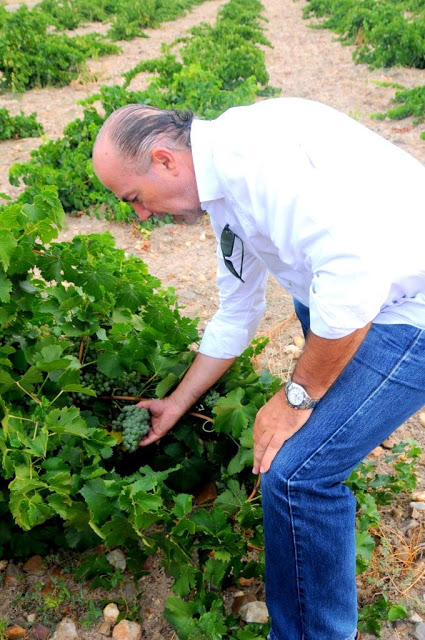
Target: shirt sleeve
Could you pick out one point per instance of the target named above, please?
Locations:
(350, 279)
(241, 306)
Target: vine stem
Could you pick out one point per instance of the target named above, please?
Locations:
(252, 546)
(135, 398)
(81, 351)
(31, 395)
(255, 489)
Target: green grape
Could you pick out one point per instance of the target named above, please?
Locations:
(211, 398)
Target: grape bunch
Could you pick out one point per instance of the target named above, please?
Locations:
(128, 384)
(101, 384)
(211, 398)
(125, 385)
(134, 424)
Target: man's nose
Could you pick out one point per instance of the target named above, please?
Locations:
(142, 213)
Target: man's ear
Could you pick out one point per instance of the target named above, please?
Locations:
(164, 158)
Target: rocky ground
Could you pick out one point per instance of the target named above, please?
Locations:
(302, 62)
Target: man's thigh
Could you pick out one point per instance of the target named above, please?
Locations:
(379, 389)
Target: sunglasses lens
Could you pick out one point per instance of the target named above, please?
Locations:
(227, 241)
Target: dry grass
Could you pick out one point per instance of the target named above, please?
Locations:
(276, 358)
(397, 565)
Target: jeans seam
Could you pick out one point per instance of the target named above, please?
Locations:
(297, 573)
(289, 481)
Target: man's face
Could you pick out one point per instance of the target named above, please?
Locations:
(168, 186)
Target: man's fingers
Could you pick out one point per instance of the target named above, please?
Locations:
(265, 453)
(268, 458)
(143, 404)
(260, 447)
(149, 438)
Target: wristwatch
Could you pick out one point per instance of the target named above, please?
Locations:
(297, 397)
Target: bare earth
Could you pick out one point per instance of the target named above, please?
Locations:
(303, 62)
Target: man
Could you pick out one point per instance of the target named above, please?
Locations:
(337, 215)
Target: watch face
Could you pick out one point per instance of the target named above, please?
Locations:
(296, 394)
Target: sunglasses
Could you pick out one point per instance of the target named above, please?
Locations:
(227, 243)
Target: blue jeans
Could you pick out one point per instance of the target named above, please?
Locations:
(309, 515)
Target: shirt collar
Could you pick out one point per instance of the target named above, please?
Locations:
(201, 139)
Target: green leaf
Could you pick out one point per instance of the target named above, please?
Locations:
(5, 287)
(213, 522)
(185, 580)
(365, 545)
(396, 612)
(7, 247)
(109, 364)
(182, 504)
(98, 500)
(215, 571)
(166, 384)
(232, 416)
(66, 421)
(78, 388)
(96, 281)
(179, 614)
(32, 376)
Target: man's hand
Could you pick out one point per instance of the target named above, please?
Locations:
(275, 423)
(165, 414)
(201, 375)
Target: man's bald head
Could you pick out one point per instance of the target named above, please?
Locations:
(134, 130)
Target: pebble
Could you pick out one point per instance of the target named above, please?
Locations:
(420, 631)
(104, 629)
(127, 630)
(400, 626)
(420, 506)
(299, 342)
(34, 565)
(3, 565)
(111, 613)
(31, 617)
(388, 443)
(408, 525)
(418, 496)
(14, 632)
(116, 558)
(255, 612)
(397, 512)
(240, 601)
(66, 630)
(415, 618)
(293, 351)
(40, 632)
(377, 452)
(422, 419)
(13, 575)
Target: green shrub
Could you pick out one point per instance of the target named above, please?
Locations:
(19, 126)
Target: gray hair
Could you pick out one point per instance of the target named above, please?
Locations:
(134, 129)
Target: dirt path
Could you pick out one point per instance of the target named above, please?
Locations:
(303, 62)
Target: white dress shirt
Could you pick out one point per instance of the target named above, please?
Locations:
(335, 212)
